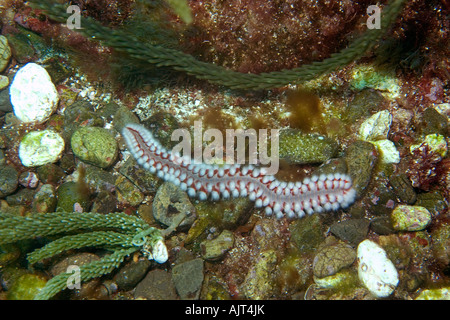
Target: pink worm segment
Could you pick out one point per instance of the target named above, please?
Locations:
(295, 199)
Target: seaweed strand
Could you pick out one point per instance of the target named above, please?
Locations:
(167, 57)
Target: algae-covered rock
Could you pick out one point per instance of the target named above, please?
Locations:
(403, 188)
(361, 158)
(332, 258)
(95, 146)
(5, 53)
(260, 280)
(72, 198)
(188, 278)
(297, 147)
(8, 180)
(410, 218)
(215, 249)
(40, 147)
(45, 199)
(435, 294)
(376, 127)
(26, 287)
(127, 192)
(307, 233)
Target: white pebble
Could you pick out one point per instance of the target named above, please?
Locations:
(375, 270)
(33, 95)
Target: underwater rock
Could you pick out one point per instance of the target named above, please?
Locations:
(40, 147)
(332, 258)
(188, 279)
(410, 218)
(45, 199)
(353, 230)
(216, 248)
(26, 287)
(387, 151)
(435, 294)
(4, 81)
(33, 95)
(376, 127)
(435, 142)
(301, 148)
(127, 192)
(260, 280)
(72, 198)
(5, 53)
(80, 114)
(28, 179)
(131, 274)
(8, 180)
(361, 157)
(441, 243)
(50, 173)
(375, 270)
(169, 202)
(403, 188)
(432, 122)
(157, 285)
(95, 146)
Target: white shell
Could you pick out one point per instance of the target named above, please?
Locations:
(375, 270)
(159, 252)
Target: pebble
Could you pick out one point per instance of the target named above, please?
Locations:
(361, 158)
(131, 274)
(5, 53)
(45, 199)
(435, 294)
(127, 192)
(4, 82)
(376, 127)
(330, 259)
(188, 278)
(40, 147)
(216, 248)
(26, 287)
(28, 179)
(260, 279)
(436, 142)
(375, 270)
(410, 218)
(33, 95)
(387, 151)
(403, 188)
(95, 146)
(169, 202)
(8, 180)
(157, 285)
(353, 230)
(72, 198)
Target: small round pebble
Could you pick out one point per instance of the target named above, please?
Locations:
(40, 147)
(410, 218)
(33, 95)
(95, 146)
(375, 270)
